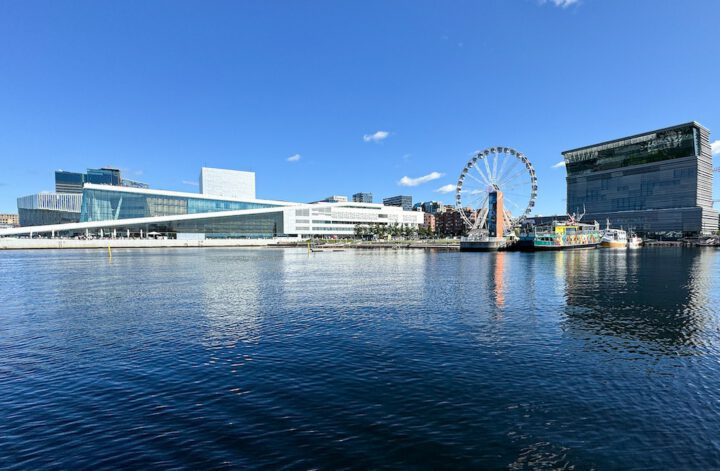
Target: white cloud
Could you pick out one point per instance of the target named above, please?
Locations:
(715, 147)
(559, 164)
(449, 188)
(407, 181)
(190, 182)
(376, 137)
(293, 158)
(560, 3)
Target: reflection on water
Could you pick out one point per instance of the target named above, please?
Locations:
(660, 298)
(403, 358)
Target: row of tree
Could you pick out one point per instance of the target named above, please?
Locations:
(382, 231)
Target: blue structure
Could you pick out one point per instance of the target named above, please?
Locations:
(102, 204)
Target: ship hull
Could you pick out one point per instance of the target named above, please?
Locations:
(490, 244)
(530, 246)
(613, 245)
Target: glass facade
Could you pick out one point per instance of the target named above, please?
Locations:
(42, 217)
(659, 183)
(103, 176)
(72, 182)
(103, 205)
(401, 200)
(652, 147)
(69, 182)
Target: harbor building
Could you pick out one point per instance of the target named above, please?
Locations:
(63, 206)
(362, 198)
(110, 210)
(234, 184)
(657, 183)
(405, 202)
(429, 222)
(49, 208)
(450, 223)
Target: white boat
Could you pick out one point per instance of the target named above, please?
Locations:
(635, 242)
(614, 238)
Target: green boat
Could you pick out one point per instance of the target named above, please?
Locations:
(560, 235)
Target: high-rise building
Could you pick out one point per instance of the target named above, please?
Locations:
(401, 200)
(227, 183)
(362, 198)
(656, 183)
(73, 182)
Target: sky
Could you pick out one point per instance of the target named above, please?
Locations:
(327, 98)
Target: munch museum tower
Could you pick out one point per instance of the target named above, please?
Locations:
(657, 183)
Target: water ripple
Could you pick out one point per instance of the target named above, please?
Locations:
(235, 358)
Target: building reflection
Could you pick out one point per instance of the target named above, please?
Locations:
(622, 299)
(232, 292)
(498, 279)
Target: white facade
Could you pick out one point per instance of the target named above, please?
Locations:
(69, 202)
(341, 218)
(227, 183)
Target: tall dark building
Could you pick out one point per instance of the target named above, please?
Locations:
(404, 201)
(657, 183)
(362, 198)
(72, 182)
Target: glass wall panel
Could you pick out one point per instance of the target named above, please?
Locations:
(103, 205)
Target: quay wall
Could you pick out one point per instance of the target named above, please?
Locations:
(24, 244)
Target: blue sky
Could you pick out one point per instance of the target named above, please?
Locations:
(360, 94)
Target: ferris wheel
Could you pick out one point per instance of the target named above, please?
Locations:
(496, 169)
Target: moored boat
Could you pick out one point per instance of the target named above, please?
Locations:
(634, 242)
(560, 235)
(614, 238)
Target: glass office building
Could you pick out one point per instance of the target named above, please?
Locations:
(658, 183)
(100, 203)
(404, 201)
(73, 182)
(362, 198)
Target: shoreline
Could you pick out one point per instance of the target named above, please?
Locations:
(54, 244)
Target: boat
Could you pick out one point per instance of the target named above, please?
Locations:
(614, 238)
(560, 235)
(634, 242)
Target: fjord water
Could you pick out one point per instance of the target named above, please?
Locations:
(275, 358)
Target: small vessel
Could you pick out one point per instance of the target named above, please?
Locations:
(634, 242)
(561, 235)
(614, 238)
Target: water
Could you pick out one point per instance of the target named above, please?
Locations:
(268, 358)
